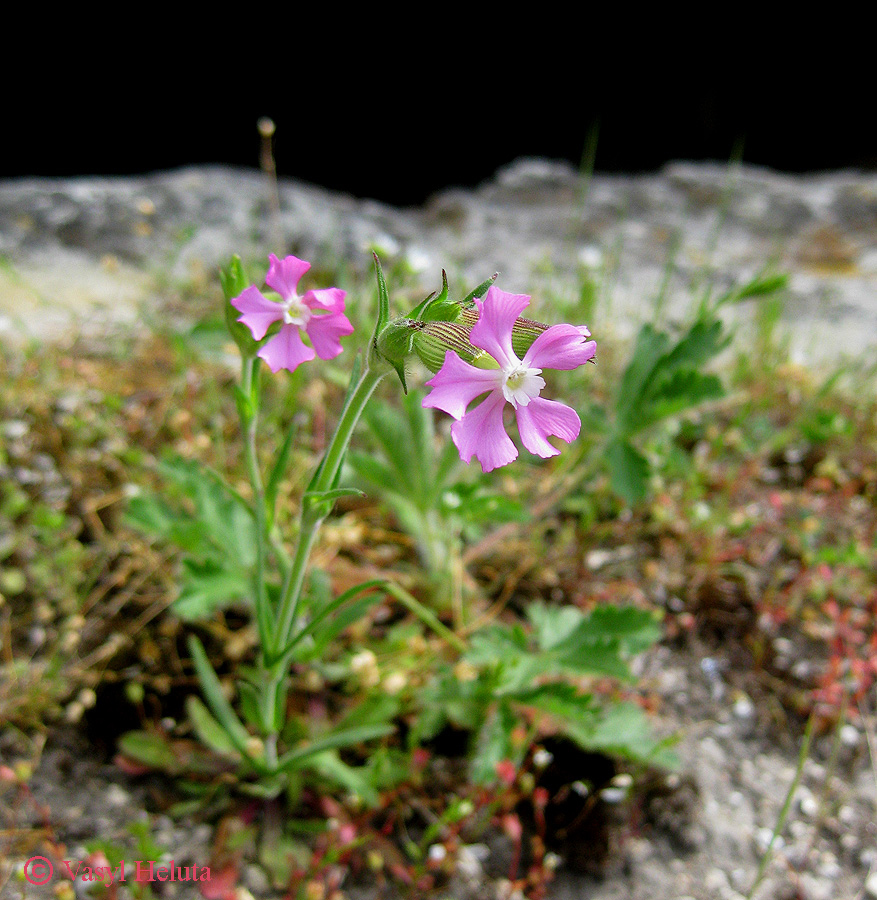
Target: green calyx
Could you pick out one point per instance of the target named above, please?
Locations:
(439, 324)
(234, 282)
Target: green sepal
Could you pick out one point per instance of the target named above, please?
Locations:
(383, 305)
(480, 291)
(376, 355)
(395, 345)
(234, 282)
(437, 307)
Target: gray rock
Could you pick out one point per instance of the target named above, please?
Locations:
(95, 249)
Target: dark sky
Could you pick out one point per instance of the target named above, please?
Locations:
(398, 135)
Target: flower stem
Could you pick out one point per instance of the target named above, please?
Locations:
(313, 514)
(250, 423)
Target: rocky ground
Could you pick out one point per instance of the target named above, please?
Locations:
(96, 255)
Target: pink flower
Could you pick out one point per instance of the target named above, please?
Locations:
(480, 432)
(318, 314)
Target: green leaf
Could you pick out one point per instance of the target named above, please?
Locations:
(317, 625)
(354, 781)
(209, 731)
(760, 286)
(563, 702)
(683, 390)
(628, 471)
(206, 587)
(494, 744)
(150, 749)
(348, 737)
(650, 346)
(635, 629)
(622, 729)
(553, 624)
(219, 706)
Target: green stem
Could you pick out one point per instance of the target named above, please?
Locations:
(313, 513)
(250, 422)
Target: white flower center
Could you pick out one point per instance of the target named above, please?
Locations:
(521, 384)
(295, 312)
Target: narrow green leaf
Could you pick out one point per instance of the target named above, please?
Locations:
(333, 606)
(348, 737)
(209, 731)
(219, 706)
(150, 749)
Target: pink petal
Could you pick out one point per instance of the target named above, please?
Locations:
(541, 418)
(560, 347)
(330, 299)
(325, 332)
(283, 275)
(481, 433)
(457, 384)
(497, 315)
(259, 313)
(286, 350)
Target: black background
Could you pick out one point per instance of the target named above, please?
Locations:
(399, 129)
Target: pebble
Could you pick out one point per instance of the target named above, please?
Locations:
(849, 735)
(117, 796)
(715, 880)
(817, 888)
(743, 707)
(871, 885)
(763, 838)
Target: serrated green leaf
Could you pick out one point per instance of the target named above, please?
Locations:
(683, 390)
(623, 730)
(493, 744)
(553, 624)
(207, 587)
(628, 471)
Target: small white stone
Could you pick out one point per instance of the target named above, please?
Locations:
(715, 880)
(849, 735)
(808, 804)
(117, 796)
(763, 838)
(743, 707)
